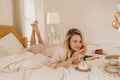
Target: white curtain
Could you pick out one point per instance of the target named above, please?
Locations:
(39, 15)
(29, 15)
(18, 18)
(26, 11)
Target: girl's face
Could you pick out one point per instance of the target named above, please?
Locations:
(75, 42)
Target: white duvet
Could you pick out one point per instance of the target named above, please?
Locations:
(27, 66)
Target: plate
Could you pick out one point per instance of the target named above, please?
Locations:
(88, 70)
(90, 57)
(112, 70)
(113, 67)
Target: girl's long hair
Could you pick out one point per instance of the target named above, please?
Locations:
(68, 37)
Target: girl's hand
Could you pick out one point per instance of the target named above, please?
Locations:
(75, 57)
(71, 59)
(76, 61)
(76, 54)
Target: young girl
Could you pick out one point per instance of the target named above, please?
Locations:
(61, 55)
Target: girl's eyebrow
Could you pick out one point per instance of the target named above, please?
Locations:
(76, 40)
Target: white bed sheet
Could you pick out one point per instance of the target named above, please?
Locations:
(27, 66)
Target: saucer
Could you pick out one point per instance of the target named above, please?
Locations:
(112, 68)
(87, 70)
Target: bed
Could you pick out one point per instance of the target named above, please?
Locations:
(16, 63)
(5, 29)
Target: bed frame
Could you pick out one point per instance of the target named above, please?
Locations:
(5, 29)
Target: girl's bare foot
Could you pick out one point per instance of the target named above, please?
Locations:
(36, 23)
(36, 27)
(33, 27)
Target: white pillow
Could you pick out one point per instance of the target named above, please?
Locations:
(10, 45)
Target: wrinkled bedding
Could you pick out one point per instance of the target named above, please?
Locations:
(27, 66)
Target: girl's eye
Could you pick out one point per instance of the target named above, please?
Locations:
(75, 41)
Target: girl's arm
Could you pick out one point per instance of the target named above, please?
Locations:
(76, 61)
(77, 53)
(66, 63)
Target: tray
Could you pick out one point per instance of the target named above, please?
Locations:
(112, 57)
(110, 70)
(114, 72)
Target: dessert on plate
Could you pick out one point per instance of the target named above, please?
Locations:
(83, 66)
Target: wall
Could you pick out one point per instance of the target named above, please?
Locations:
(93, 17)
(6, 12)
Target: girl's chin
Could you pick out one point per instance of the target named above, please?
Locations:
(76, 49)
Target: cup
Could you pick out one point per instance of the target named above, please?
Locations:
(113, 63)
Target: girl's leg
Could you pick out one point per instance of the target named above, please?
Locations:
(33, 40)
(38, 32)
